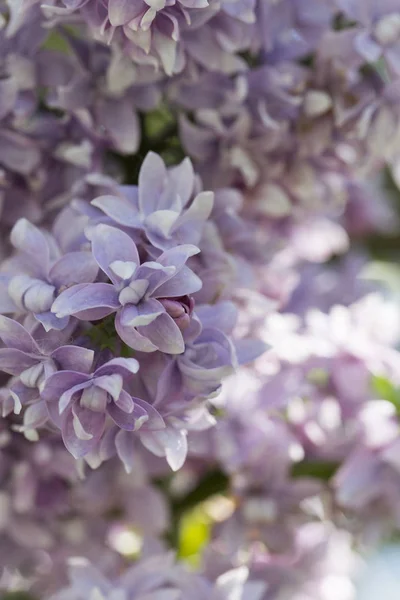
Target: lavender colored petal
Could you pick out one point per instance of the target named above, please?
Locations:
(128, 421)
(124, 402)
(74, 358)
(92, 423)
(124, 445)
(164, 335)
(74, 268)
(28, 238)
(222, 316)
(181, 180)
(7, 305)
(60, 382)
(155, 422)
(14, 335)
(132, 337)
(178, 256)
(50, 321)
(36, 415)
(109, 245)
(14, 361)
(119, 210)
(185, 282)
(152, 178)
(18, 153)
(248, 350)
(124, 366)
(168, 442)
(142, 314)
(84, 300)
(120, 122)
(199, 210)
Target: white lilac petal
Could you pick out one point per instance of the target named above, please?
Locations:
(123, 268)
(112, 384)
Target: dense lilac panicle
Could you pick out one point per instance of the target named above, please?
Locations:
(163, 36)
(35, 479)
(92, 83)
(378, 31)
(167, 205)
(158, 576)
(292, 28)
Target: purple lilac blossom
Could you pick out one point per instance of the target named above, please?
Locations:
(152, 299)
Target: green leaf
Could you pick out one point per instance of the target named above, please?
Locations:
(386, 391)
(194, 534)
(322, 470)
(56, 42)
(17, 596)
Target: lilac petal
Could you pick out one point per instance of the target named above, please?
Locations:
(18, 153)
(38, 297)
(84, 299)
(124, 444)
(120, 12)
(7, 305)
(120, 121)
(119, 210)
(185, 282)
(109, 245)
(199, 210)
(32, 375)
(155, 274)
(248, 350)
(112, 384)
(128, 421)
(14, 361)
(126, 367)
(142, 314)
(74, 358)
(67, 396)
(164, 334)
(161, 222)
(93, 398)
(51, 322)
(178, 256)
(60, 382)
(152, 178)
(28, 238)
(14, 335)
(107, 443)
(155, 422)
(182, 180)
(132, 337)
(222, 316)
(74, 268)
(35, 416)
(92, 423)
(8, 95)
(125, 402)
(170, 443)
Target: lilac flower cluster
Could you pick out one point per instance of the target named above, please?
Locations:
(196, 364)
